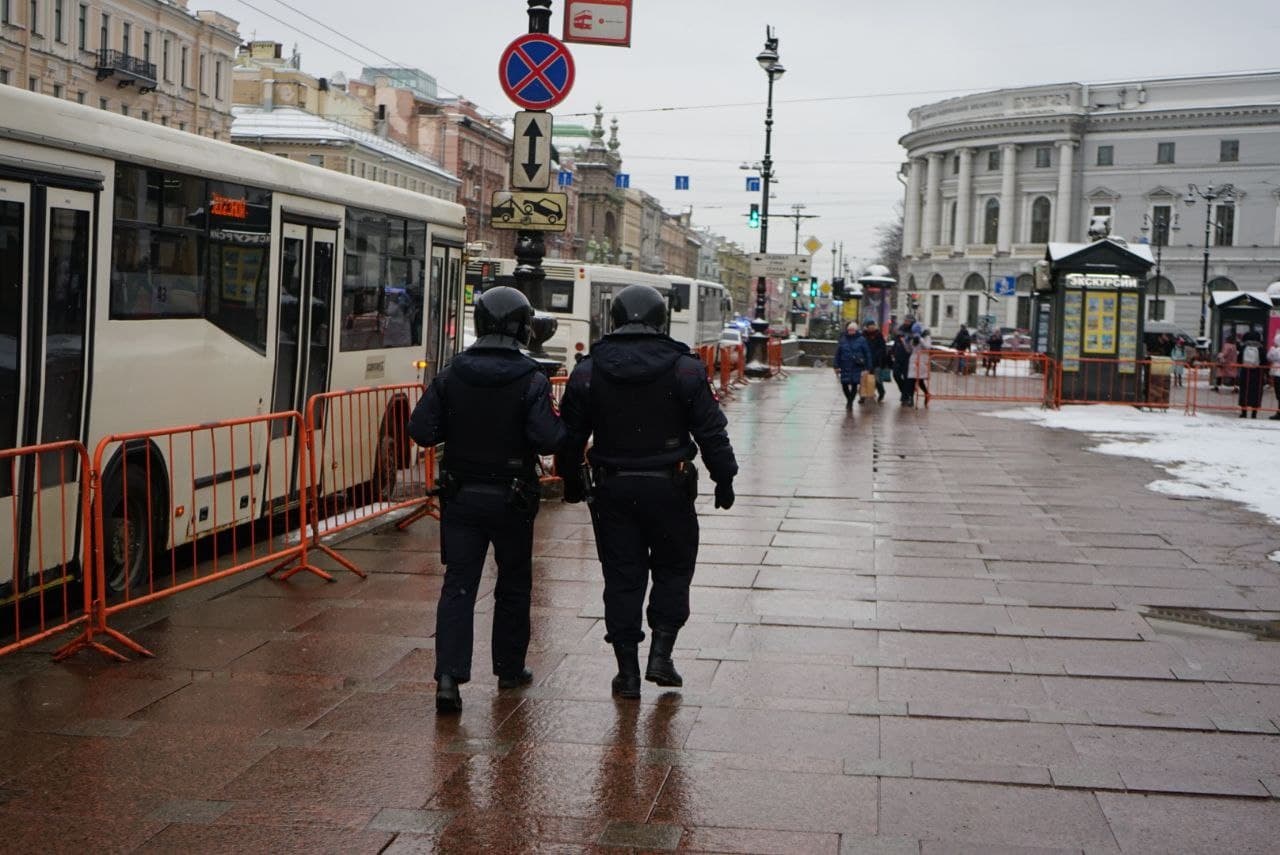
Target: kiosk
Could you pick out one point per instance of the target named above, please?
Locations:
(876, 302)
(1235, 313)
(1088, 317)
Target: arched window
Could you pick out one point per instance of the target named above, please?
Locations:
(1040, 209)
(1222, 283)
(1025, 283)
(1164, 287)
(975, 282)
(952, 227)
(991, 221)
(936, 283)
(911, 282)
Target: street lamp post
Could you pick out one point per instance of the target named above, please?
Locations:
(1209, 194)
(1160, 229)
(773, 69)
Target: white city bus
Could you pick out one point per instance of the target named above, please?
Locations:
(151, 277)
(579, 296)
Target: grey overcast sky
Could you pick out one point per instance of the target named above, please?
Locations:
(874, 61)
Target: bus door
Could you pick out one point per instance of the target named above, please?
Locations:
(444, 333)
(304, 337)
(46, 239)
(601, 305)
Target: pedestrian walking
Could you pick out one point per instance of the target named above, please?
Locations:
(1252, 374)
(961, 344)
(1178, 354)
(880, 364)
(491, 407)
(1225, 370)
(900, 355)
(1273, 359)
(918, 367)
(995, 345)
(645, 401)
(853, 357)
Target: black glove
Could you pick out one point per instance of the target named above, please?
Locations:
(574, 489)
(724, 495)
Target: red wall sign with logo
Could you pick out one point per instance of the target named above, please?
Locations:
(598, 22)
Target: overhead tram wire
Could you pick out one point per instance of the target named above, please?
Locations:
(363, 61)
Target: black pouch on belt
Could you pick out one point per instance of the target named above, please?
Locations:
(523, 496)
(685, 475)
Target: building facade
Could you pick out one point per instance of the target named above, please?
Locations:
(992, 178)
(151, 59)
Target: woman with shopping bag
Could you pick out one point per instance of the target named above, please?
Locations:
(853, 358)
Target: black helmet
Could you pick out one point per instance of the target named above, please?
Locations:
(639, 308)
(503, 311)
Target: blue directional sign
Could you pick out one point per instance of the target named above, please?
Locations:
(622, 181)
(753, 184)
(565, 178)
(682, 182)
(1006, 286)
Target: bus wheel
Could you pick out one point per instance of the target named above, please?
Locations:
(386, 469)
(128, 543)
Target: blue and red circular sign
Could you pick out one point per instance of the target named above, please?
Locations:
(536, 71)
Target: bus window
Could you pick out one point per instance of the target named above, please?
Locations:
(12, 266)
(680, 290)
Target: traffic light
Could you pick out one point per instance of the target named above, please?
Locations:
(914, 299)
(753, 218)
(813, 287)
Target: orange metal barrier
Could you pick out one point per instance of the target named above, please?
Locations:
(1126, 382)
(727, 357)
(362, 464)
(180, 507)
(741, 379)
(773, 352)
(45, 547)
(1014, 377)
(547, 463)
(1213, 388)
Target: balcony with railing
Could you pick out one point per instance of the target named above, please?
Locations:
(127, 69)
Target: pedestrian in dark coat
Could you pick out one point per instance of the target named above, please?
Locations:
(853, 356)
(1253, 373)
(879, 355)
(901, 355)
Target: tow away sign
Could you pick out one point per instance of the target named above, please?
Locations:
(534, 212)
(598, 22)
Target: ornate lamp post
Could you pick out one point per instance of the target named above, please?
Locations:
(1209, 194)
(1160, 228)
(773, 69)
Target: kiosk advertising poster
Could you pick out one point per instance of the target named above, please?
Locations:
(1072, 301)
(1100, 324)
(1128, 350)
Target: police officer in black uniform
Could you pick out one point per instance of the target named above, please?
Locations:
(646, 400)
(491, 407)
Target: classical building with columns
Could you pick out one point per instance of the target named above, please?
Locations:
(992, 178)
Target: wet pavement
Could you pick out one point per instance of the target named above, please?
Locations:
(918, 631)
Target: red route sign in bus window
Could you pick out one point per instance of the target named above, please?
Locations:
(225, 206)
(598, 22)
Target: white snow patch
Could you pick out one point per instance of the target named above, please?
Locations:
(1206, 457)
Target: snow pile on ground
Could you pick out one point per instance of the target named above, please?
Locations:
(1207, 457)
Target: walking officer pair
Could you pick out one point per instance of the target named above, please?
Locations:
(644, 401)
(491, 407)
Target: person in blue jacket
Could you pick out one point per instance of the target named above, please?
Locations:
(853, 356)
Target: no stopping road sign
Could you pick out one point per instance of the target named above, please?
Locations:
(536, 71)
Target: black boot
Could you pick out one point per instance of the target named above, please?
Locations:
(523, 677)
(661, 669)
(627, 682)
(448, 698)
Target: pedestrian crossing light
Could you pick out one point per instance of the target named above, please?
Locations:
(753, 217)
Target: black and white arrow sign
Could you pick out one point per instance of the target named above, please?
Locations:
(531, 154)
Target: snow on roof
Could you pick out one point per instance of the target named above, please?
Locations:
(1059, 251)
(1262, 298)
(294, 125)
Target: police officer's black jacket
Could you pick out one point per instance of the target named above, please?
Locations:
(646, 398)
(491, 406)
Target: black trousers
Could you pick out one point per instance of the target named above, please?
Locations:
(906, 386)
(645, 527)
(476, 517)
(850, 390)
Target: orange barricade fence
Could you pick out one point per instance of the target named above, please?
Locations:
(1233, 389)
(741, 378)
(362, 464)
(727, 357)
(1148, 383)
(180, 507)
(773, 352)
(547, 463)
(707, 353)
(45, 546)
(1014, 377)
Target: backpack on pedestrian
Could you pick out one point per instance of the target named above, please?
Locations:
(1251, 354)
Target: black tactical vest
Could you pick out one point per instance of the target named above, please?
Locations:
(637, 421)
(485, 437)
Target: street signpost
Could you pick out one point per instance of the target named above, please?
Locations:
(753, 184)
(536, 71)
(598, 22)
(528, 211)
(812, 244)
(531, 154)
(1006, 286)
(778, 266)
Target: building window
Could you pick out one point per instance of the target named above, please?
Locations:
(146, 117)
(4, 76)
(1040, 210)
(57, 21)
(951, 230)
(202, 80)
(182, 126)
(1043, 157)
(955, 164)
(33, 19)
(124, 109)
(1229, 151)
(82, 97)
(993, 160)
(82, 27)
(146, 46)
(164, 120)
(1161, 216)
(991, 221)
(315, 159)
(57, 90)
(33, 83)
(186, 63)
(1106, 155)
(126, 36)
(1101, 211)
(104, 104)
(217, 78)
(104, 32)
(1164, 152)
(1224, 224)
(4, 11)
(164, 60)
